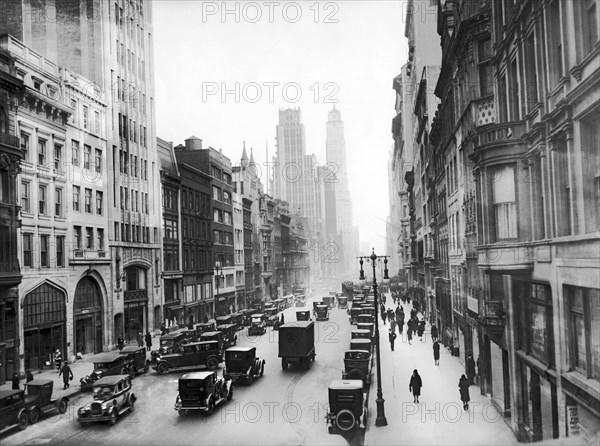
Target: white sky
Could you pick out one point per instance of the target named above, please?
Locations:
(197, 51)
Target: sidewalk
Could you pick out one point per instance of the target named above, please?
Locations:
(439, 417)
(80, 368)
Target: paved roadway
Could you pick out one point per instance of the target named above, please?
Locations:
(283, 407)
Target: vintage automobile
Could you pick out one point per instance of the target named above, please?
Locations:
(354, 312)
(258, 325)
(355, 303)
(106, 364)
(216, 335)
(303, 315)
(365, 318)
(347, 406)
(360, 334)
(229, 334)
(271, 314)
(367, 326)
(357, 365)
(361, 344)
(322, 313)
(203, 327)
(342, 302)
(196, 354)
(112, 398)
(247, 316)
(224, 320)
(169, 343)
(316, 303)
(329, 301)
(242, 364)
(368, 310)
(39, 399)
(136, 360)
(202, 391)
(13, 411)
(238, 320)
(300, 300)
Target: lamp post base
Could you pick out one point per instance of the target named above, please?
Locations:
(381, 420)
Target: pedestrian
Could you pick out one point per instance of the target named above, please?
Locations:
(383, 313)
(463, 386)
(421, 329)
(415, 385)
(478, 375)
(397, 313)
(282, 320)
(140, 339)
(121, 343)
(400, 326)
(67, 375)
(393, 325)
(390, 314)
(471, 369)
(163, 329)
(148, 341)
(28, 375)
(392, 335)
(409, 334)
(16, 381)
(58, 359)
(434, 333)
(436, 352)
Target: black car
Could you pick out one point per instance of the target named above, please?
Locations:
(242, 364)
(347, 406)
(169, 343)
(112, 398)
(303, 315)
(229, 334)
(357, 365)
(13, 411)
(106, 364)
(136, 360)
(202, 391)
(196, 354)
(39, 399)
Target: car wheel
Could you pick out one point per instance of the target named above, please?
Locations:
(284, 364)
(132, 372)
(34, 415)
(162, 368)
(113, 417)
(23, 420)
(230, 394)
(61, 405)
(212, 363)
(345, 420)
(210, 408)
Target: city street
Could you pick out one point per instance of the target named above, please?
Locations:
(283, 407)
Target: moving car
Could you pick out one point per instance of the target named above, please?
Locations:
(271, 315)
(229, 334)
(242, 364)
(202, 391)
(39, 399)
(196, 354)
(203, 327)
(357, 365)
(224, 320)
(106, 364)
(347, 406)
(300, 300)
(136, 360)
(257, 325)
(216, 335)
(169, 343)
(247, 316)
(303, 315)
(322, 313)
(342, 302)
(12, 410)
(112, 398)
(329, 301)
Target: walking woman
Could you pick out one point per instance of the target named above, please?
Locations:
(436, 352)
(415, 385)
(463, 386)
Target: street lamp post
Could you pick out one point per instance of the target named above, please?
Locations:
(218, 275)
(380, 420)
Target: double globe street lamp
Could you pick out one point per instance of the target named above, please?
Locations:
(380, 420)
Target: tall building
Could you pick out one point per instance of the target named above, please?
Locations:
(110, 43)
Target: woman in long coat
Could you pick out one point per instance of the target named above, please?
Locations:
(436, 352)
(463, 386)
(415, 385)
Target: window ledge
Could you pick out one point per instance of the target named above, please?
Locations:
(590, 386)
(44, 217)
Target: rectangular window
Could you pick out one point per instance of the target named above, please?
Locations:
(554, 37)
(531, 74)
(98, 157)
(27, 247)
(87, 154)
(44, 251)
(505, 205)
(42, 200)
(584, 330)
(96, 122)
(60, 251)
(41, 152)
(58, 202)
(514, 86)
(76, 194)
(77, 236)
(25, 146)
(564, 200)
(75, 152)
(590, 154)
(85, 117)
(99, 202)
(484, 53)
(57, 157)
(100, 236)
(117, 238)
(89, 238)
(25, 196)
(126, 199)
(88, 201)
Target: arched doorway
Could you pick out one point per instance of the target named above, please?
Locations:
(87, 309)
(44, 325)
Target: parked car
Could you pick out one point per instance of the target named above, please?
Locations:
(247, 314)
(271, 314)
(203, 327)
(357, 365)
(13, 412)
(342, 302)
(112, 398)
(224, 320)
(354, 312)
(136, 360)
(258, 325)
(361, 344)
(360, 334)
(202, 391)
(297, 344)
(39, 399)
(229, 334)
(106, 364)
(196, 354)
(367, 309)
(216, 335)
(367, 326)
(242, 364)
(238, 320)
(365, 318)
(303, 315)
(347, 406)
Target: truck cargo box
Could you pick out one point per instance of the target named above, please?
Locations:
(296, 339)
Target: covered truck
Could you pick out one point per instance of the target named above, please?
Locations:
(297, 344)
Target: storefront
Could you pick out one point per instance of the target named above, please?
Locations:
(136, 303)
(88, 325)
(499, 378)
(44, 325)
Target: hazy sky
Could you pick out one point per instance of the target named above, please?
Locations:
(277, 55)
